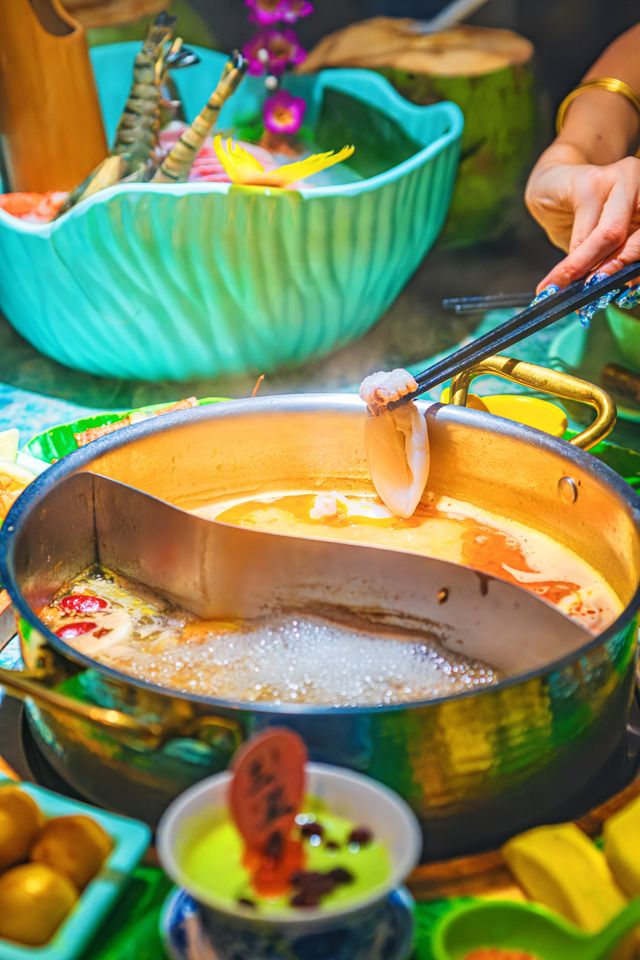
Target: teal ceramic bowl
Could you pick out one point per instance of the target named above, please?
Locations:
(625, 327)
(198, 280)
(130, 840)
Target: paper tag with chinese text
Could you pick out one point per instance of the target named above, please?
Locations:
(267, 789)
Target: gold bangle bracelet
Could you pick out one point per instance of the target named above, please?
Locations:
(597, 83)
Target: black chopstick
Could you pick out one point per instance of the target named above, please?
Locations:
(494, 301)
(529, 321)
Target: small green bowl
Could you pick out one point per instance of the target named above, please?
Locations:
(625, 327)
(529, 928)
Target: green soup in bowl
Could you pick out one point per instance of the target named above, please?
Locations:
(359, 842)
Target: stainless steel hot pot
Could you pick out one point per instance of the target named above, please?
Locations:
(476, 767)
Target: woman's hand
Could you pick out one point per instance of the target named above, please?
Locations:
(591, 211)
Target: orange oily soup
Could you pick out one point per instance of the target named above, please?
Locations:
(445, 528)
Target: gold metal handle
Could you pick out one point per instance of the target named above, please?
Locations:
(33, 686)
(553, 382)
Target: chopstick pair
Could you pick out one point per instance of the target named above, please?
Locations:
(494, 301)
(535, 317)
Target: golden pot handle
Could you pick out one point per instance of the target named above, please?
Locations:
(553, 382)
(24, 685)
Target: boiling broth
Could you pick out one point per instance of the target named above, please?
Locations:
(444, 528)
(286, 658)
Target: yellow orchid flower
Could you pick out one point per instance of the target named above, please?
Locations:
(242, 167)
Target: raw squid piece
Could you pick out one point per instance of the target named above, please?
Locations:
(397, 446)
(396, 442)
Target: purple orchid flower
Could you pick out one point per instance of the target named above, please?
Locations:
(296, 9)
(273, 52)
(268, 12)
(284, 113)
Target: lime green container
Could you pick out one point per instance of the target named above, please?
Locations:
(197, 280)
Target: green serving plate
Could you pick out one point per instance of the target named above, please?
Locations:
(57, 442)
(625, 329)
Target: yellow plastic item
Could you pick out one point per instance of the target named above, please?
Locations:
(622, 847)
(530, 411)
(560, 867)
(472, 400)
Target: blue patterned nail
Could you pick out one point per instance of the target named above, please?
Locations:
(546, 292)
(586, 314)
(629, 298)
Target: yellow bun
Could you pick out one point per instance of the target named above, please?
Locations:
(75, 847)
(34, 900)
(20, 823)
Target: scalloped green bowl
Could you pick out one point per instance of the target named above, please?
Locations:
(155, 282)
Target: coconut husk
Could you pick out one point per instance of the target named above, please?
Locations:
(386, 42)
(489, 74)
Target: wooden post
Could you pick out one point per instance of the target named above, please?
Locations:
(50, 122)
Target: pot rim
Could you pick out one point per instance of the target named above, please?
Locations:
(79, 460)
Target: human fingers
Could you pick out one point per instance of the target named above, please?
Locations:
(629, 298)
(548, 199)
(609, 235)
(628, 253)
(588, 212)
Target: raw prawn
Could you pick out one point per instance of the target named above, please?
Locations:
(178, 162)
(133, 156)
(206, 167)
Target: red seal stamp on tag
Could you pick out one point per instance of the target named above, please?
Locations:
(267, 789)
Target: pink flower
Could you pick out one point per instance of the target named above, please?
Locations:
(284, 113)
(273, 51)
(267, 12)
